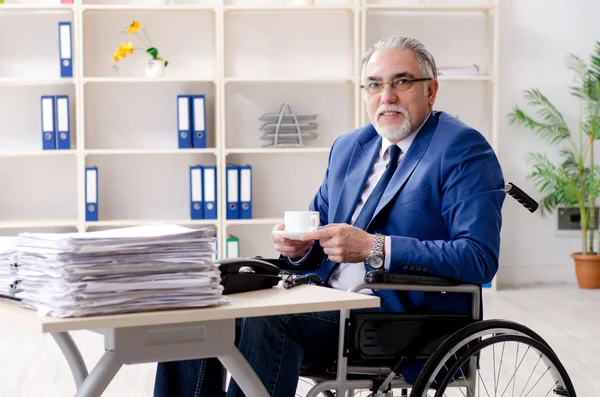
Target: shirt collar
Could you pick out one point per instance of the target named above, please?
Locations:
(404, 144)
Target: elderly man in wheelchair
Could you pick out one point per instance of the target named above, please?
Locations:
(410, 210)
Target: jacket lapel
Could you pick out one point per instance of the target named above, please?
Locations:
(359, 168)
(409, 162)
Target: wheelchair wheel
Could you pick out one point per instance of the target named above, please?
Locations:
(493, 358)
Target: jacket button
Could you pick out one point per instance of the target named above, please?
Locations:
(418, 268)
(404, 267)
(424, 268)
(411, 267)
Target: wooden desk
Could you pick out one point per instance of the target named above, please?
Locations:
(160, 336)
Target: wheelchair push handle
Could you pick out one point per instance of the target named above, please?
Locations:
(522, 197)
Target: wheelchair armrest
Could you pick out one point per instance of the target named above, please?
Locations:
(411, 279)
(378, 279)
(381, 280)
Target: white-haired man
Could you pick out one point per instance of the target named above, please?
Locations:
(414, 191)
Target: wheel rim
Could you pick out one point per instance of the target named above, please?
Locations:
(471, 338)
(534, 371)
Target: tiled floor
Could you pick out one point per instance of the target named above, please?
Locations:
(567, 317)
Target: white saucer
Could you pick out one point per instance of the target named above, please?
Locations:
(290, 235)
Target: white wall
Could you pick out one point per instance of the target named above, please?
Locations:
(535, 38)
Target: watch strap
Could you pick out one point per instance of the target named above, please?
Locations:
(378, 244)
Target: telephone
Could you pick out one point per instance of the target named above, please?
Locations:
(247, 274)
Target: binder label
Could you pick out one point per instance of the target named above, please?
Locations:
(196, 184)
(245, 182)
(65, 44)
(91, 194)
(62, 114)
(209, 191)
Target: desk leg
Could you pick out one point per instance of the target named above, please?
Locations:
(243, 374)
(69, 349)
(102, 374)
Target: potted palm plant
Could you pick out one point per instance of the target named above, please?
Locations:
(575, 181)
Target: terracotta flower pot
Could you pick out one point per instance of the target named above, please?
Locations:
(587, 270)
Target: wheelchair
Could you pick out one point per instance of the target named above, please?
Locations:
(429, 354)
(454, 355)
(439, 355)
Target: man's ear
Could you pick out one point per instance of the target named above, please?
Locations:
(432, 89)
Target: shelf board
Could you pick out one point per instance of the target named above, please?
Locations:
(145, 80)
(35, 81)
(38, 223)
(37, 7)
(288, 8)
(465, 78)
(37, 153)
(150, 8)
(257, 221)
(289, 79)
(278, 150)
(249, 80)
(432, 8)
(135, 222)
(149, 151)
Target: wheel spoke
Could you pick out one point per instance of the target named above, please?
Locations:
(538, 381)
(530, 375)
(465, 378)
(494, 359)
(551, 389)
(485, 388)
(513, 377)
(515, 382)
(499, 370)
(479, 384)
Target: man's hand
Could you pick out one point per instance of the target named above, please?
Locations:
(290, 248)
(342, 242)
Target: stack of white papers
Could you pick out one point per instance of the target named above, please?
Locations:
(116, 271)
(7, 262)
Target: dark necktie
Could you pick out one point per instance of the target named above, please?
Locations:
(368, 210)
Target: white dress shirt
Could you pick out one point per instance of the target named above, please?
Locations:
(348, 274)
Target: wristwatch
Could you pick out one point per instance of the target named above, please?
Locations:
(375, 259)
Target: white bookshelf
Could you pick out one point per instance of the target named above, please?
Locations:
(247, 57)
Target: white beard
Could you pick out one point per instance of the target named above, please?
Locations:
(394, 132)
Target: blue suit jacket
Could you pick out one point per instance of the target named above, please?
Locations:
(442, 207)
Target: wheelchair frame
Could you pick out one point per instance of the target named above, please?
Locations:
(342, 384)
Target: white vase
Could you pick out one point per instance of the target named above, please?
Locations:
(155, 68)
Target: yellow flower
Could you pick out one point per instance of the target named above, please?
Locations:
(124, 49)
(131, 29)
(127, 47)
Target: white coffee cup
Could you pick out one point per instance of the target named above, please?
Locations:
(301, 221)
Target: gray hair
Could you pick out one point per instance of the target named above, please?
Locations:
(424, 57)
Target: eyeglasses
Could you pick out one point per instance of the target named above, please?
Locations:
(375, 87)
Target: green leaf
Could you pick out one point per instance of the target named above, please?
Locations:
(153, 52)
(552, 132)
(546, 110)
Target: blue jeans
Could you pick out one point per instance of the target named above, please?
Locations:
(276, 347)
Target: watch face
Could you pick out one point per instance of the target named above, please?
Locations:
(375, 261)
